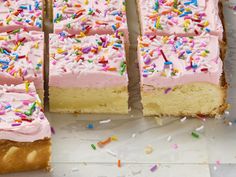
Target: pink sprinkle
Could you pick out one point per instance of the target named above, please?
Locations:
(2, 112)
(175, 146)
(26, 102)
(218, 162)
(54, 62)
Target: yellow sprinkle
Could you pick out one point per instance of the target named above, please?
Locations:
(60, 50)
(203, 54)
(36, 45)
(114, 138)
(27, 84)
(64, 8)
(206, 23)
(3, 37)
(86, 2)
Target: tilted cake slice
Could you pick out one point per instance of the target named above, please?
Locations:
(181, 76)
(90, 17)
(15, 14)
(21, 58)
(24, 130)
(88, 74)
(182, 18)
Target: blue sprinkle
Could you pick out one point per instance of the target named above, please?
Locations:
(168, 63)
(207, 30)
(113, 27)
(23, 7)
(90, 126)
(194, 66)
(188, 51)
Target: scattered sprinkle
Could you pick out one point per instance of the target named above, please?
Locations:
(105, 121)
(195, 135)
(148, 149)
(153, 168)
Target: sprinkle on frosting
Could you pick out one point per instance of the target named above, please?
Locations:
(21, 57)
(21, 116)
(174, 57)
(90, 16)
(20, 13)
(76, 54)
(170, 17)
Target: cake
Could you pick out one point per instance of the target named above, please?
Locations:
(181, 76)
(88, 74)
(17, 14)
(90, 17)
(21, 58)
(181, 18)
(24, 130)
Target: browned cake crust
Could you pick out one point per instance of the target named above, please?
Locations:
(24, 156)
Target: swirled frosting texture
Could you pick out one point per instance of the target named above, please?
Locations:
(185, 17)
(170, 61)
(21, 57)
(21, 116)
(93, 61)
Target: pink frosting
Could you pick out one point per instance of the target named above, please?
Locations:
(90, 17)
(185, 17)
(94, 61)
(21, 58)
(15, 14)
(170, 61)
(15, 123)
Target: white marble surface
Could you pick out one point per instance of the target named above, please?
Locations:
(213, 154)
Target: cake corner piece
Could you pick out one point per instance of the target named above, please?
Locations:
(21, 147)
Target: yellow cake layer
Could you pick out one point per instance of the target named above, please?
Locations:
(89, 100)
(24, 156)
(184, 100)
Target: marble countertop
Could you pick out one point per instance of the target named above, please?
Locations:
(175, 152)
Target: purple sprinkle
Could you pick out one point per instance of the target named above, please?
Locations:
(53, 131)
(86, 50)
(188, 67)
(147, 61)
(153, 168)
(16, 124)
(167, 90)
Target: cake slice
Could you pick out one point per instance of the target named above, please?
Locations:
(90, 17)
(21, 58)
(24, 130)
(181, 76)
(88, 74)
(181, 18)
(16, 14)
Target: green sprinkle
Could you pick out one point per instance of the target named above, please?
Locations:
(195, 135)
(93, 146)
(175, 4)
(68, 25)
(122, 68)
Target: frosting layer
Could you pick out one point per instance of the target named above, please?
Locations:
(170, 61)
(185, 17)
(93, 61)
(21, 116)
(90, 16)
(21, 57)
(15, 14)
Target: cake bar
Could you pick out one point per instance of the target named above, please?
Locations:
(90, 17)
(88, 74)
(181, 76)
(16, 14)
(21, 58)
(24, 130)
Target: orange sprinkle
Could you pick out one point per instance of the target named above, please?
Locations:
(103, 143)
(119, 163)
(112, 69)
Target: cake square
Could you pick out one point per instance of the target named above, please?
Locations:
(181, 18)
(181, 76)
(16, 14)
(25, 132)
(21, 58)
(88, 74)
(90, 17)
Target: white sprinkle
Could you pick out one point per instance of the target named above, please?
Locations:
(183, 119)
(200, 128)
(230, 123)
(215, 168)
(227, 112)
(105, 121)
(74, 169)
(169, 138)
(133, 135)
(111, 152)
